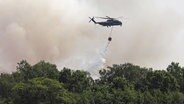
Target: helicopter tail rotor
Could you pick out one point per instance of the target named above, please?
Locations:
(92, 19)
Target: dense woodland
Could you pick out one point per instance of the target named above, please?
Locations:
(43, 83)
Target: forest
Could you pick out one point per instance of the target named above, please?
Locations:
(44, 83)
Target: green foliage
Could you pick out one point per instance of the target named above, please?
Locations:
(121, 83)
(161, 80)
(42, 90)
(42, 83)
(6, 83)
(45, 69)
(42, 69)
(124, 97)
(178, 98)
(75, 81)
(134, 74)
(175, 70)
(86, 97)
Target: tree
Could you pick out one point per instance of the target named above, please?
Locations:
(40, 90)
(75, 81)
(127, 96)
(42, 83)
(134, 74)
(161, 80)
(178, 98)
(45, 69)
(102, 94)
(147, 98)
(24, 69)
(86, 97)
(6, 83)
(178, 72)
(42, 69)
(122, 83)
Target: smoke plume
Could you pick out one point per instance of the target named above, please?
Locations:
(152, 32)
(58, 31)
(35, 30)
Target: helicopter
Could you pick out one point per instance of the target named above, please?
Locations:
(109, 21)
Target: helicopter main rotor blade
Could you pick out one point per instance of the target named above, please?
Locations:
(114, 18)
(107, 17)
(119, 17)
(102, 17)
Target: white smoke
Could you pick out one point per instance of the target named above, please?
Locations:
(54, 31)
(58, 31)
(152, 33)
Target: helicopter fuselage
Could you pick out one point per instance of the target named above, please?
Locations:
(109, 23)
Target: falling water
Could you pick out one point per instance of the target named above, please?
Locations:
(100, 59)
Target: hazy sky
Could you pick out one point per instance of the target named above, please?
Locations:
(58, 31)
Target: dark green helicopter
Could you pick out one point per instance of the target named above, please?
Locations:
(109, 22)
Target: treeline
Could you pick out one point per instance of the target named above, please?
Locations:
(43, 83)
